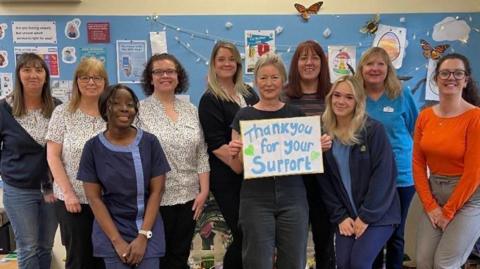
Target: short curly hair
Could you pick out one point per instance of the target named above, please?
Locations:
(147, 77)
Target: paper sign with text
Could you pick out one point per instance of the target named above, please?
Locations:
(280, 147)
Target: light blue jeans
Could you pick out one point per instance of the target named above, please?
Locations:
(34, 225)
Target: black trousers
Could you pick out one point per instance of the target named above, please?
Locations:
(228, 200)
(322, 229)
(179, 228)
(76, 233)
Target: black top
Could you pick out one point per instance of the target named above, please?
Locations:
(373, 173)
(216, 116)
(23, 162)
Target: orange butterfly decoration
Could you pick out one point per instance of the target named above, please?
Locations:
(305, 12)
(433, 53)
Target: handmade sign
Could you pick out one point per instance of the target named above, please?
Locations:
(280, 147)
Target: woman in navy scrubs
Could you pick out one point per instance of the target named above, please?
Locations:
(123, 170)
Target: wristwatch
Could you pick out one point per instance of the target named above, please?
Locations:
(147, 234)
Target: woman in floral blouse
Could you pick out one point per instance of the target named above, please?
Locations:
(72, 124)
(175, 123)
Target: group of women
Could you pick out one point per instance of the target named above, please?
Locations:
(126, 179)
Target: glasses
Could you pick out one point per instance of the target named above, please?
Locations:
(168, 72)
(457, 74)
(86, 79)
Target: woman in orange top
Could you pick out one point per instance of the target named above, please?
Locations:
(447, 141)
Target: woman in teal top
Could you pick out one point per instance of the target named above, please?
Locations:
(395, 108)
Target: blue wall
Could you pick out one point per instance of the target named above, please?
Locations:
(198, 34)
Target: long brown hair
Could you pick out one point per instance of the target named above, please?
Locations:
(18, 104)
(293, 88)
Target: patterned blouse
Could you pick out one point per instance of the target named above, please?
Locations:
(34, 123)
(72, 130)
(183, 143)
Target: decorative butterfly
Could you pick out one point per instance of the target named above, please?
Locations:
(433, 53)
(305, 12)
(371, 26)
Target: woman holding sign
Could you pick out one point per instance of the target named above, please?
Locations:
(358, 186)
(308, 84)
(273, 210)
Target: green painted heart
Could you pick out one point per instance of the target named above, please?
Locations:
(314, 155)
(249, 151)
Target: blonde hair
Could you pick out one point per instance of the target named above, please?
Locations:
(213, 84)
(349, 136)
(86, 66)
(393, 86)
(271, 58)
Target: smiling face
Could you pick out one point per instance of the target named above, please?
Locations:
(121, 109)
(269, 82)
(32, 77)
(455, 82)
(164, 76)
(309, 64)
(343, 100)
(374, 71)
(91, 84)
(225, 64)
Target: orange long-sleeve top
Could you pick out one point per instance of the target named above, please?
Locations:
(449, 147)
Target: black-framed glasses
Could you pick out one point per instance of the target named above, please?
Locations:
(457, 74)
(160, 72)
(86, 79)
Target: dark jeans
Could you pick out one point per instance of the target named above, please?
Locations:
(396, 243)
(228, 200)
(360, 253)
(76, 232)
(179, 228)
(274, 214)
(322, 230)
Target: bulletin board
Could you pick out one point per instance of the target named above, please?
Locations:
(191, 38)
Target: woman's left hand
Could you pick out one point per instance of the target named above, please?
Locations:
(442, 222)
(137, 250)
(198, 204)
(359, 227)
(326, 142)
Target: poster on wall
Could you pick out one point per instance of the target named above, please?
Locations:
(6, 84)
(3, 58)
(257, 43)
(431, 88)
(341, 61)
(3, 30)
(99, 53)
(98, 32)
(393, 40)
(62, 89)
(72, 29)
(34, 32)
(69, 55)
(158, 42)
(131, 60)
(49, 55)
(286, 146)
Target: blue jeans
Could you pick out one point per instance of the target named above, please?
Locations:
(34, 225)
(360, 253)
(274, 214)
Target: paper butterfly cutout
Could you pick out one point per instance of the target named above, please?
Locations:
(305, 12)
(371, 26)
(433, 53)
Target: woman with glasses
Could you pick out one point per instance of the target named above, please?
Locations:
(176, 125)
(226, 93)
(447, 143)
(27, 188)
(71, 125)
(395, 108)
